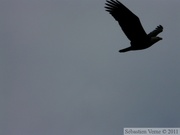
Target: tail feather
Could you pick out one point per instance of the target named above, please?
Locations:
(125, 49)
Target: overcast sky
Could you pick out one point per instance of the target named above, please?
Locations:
(62, 74)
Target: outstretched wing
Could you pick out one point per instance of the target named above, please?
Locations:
(155, 32)
(128, 21)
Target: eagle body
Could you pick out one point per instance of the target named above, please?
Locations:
(131, 26)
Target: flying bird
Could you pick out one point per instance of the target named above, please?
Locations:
(132, 27)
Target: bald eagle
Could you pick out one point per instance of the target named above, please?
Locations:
(132, 27)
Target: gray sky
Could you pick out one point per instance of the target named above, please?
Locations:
(62, 74)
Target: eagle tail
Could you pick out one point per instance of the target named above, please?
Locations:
(125, 49)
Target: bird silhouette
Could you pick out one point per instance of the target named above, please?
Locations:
(132, 27)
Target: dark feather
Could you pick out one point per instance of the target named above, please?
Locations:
(155, 32)
(128, 21)
(132, 27)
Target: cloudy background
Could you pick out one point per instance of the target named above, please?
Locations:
(62, 74)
